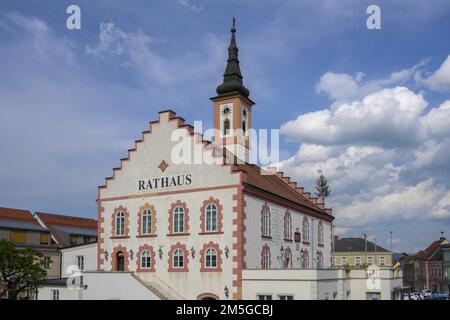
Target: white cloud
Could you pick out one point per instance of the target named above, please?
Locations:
(339, 86)
(343, 87)
(390, 117)
(192, 6)
(440, 79)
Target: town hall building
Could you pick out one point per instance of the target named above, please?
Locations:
(196, 230)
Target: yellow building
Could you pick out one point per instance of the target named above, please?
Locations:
(359, 253)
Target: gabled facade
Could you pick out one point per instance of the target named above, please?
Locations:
(194, 228)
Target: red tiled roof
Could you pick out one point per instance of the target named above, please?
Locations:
(17, 214)
(428, 252)
(50, 219)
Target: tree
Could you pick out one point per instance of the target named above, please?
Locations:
(20, 270)
(322, 188)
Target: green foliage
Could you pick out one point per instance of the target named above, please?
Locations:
(21, 269)
(322, 188)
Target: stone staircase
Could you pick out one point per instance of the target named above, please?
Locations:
(159, 288)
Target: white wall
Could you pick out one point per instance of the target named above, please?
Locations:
(316, 284)
(69, 258)
(254, 241)
(143, 164)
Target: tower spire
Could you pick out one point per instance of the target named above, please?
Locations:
(232, 78)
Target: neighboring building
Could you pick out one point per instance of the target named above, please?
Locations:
(446, 267)
(424, 270)
(359, 253)
(21, 228)
(83, 257)
(68, 230)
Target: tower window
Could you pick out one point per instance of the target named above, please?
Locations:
(243, 126)
(226, 127)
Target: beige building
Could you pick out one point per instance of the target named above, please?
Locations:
(359, 253)
(21, 228)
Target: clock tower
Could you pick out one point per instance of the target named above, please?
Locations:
(233, 108)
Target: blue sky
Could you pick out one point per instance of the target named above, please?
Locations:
(367, 107)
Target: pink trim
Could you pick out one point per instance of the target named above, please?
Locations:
(219, 207)
(206, 246)
(126, 224)
(152, 259)
(264, 249)
(182, 204)
(174, 247)
(116, 250)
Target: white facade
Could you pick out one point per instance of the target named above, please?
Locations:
(332, 284)
(255, 241)
(82, 256)
(237, 241)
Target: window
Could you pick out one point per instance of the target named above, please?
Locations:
(381, 261)
(47, 262)
(243, 126)
(80, 262)
(18, 236)
(178, 257)
(211, 217)
(319, 260)
(343, 261)
(265, 258)
(333, 259)
(264, 297)
(147, 221)
(357, 261)
(178, 219)
(320, 233)
(120, 224)
(266, 222)
(285, 297)
(211, 258)
(226, 127)
(369, 260)
(44, 238)
(146, 260)
(55, 294)
(305, 259)
(287, 226)
(73, 239)
(305, 230)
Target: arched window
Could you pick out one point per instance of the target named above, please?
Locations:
(211, 217)
(120, 224)
(305, 230)
(305, 259)
(320, 233)
(266, 222)
(319, 260)
(287, 226)
(265, 258)
(287, 258)
(178, 219)
(146, 261)
(147, 221)
(226, 127)
(211, 258)
(243, 127)
(178, 258)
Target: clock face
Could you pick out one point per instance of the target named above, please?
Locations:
(226, 111)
